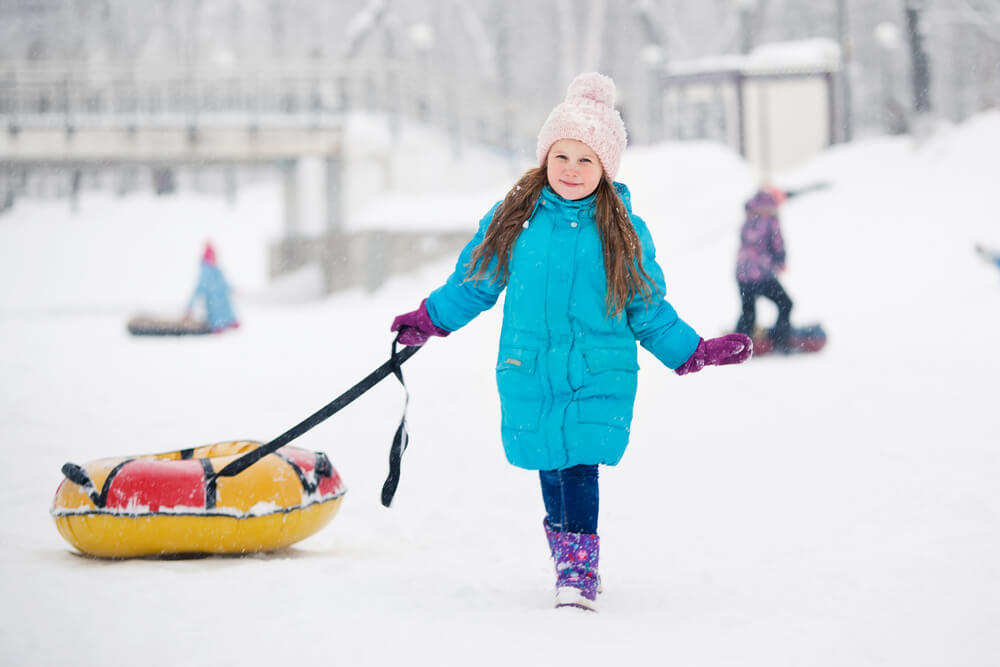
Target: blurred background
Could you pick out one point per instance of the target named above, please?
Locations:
(212, 96)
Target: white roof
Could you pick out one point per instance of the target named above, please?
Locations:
(808, 55)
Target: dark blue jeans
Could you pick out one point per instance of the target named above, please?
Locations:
(571, 498)
(769, 289)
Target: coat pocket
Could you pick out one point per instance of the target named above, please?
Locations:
(608, 392)
(601, 359)
(520, 388)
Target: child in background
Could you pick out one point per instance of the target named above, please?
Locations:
(761, 257)
(213, 289)
(582, 285)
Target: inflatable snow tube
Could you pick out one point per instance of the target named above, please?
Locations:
(173, 503)
(146, 325)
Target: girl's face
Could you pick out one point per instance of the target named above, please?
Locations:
(573, 169)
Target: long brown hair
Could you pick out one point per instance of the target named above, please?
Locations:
(620, 245)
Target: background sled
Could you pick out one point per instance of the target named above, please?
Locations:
(145, 325)
(802, 340)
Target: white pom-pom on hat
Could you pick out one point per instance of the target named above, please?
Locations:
(588, 115)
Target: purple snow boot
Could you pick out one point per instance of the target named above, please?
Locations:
(576, 556)
(552, 536)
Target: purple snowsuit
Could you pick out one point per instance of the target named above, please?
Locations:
(762, 250)
(762, 254)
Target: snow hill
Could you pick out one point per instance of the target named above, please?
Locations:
(837, 509)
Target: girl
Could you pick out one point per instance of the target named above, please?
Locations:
(582, 286)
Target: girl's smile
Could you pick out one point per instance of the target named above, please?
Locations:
(573, 169)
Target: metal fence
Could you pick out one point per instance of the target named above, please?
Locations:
(54, 93)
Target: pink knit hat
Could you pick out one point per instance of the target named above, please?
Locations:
(588, 115)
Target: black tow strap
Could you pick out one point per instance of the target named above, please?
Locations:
(402, 438)
(399, 442)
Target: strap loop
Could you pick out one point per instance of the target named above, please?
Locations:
(399, 441)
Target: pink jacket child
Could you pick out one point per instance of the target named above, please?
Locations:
(762, 248)
(760, 259)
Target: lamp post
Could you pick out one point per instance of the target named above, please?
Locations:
(422, 38)
(918, 55)
(846, 58)
(887, 37)
(652, 57)
(747, 10)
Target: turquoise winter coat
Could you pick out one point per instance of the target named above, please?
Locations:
(566, 372)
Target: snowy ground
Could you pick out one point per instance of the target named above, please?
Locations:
(838, 509)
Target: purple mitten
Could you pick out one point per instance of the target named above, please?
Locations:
(734, 348)
(416, 326)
